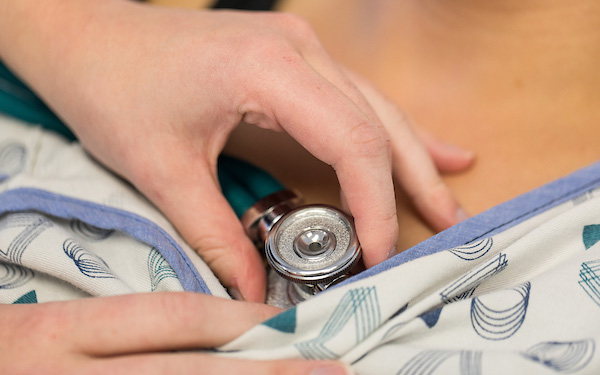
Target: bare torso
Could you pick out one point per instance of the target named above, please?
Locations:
(519, 91)
(527, 105)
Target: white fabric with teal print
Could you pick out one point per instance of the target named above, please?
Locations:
(525, 301)
(70, 229)
(503, 293)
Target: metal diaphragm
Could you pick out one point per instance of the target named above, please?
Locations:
(313, 245)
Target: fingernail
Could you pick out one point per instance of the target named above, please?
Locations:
(236, 294)
(467, 154)
(392, 252)
(461, 214)
(331, 369)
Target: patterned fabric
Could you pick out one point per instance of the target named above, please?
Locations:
(61, 259)
(70, 229)
(526, 300)
(513, 290)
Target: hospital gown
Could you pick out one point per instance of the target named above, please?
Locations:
(515, 289)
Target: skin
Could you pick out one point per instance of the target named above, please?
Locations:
(119, 68)
(524, 99)
(516, 82)
(153, 94)
(149, 336)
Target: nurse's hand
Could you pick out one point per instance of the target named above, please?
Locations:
(418, 157)
(136, 334)
(154, 93)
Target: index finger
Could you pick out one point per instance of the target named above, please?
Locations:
(151, 322)
(326, 122)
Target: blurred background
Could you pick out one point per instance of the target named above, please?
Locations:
(521, 113)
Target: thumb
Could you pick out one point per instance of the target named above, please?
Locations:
(191, 199)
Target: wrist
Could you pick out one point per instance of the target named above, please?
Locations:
(39, 38)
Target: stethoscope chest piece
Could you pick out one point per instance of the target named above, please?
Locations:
(313, 246)
(309, 248)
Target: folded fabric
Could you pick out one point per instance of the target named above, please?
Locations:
(523, 300)
(71, 229)
(513, 290)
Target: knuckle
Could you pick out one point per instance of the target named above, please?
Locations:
(209, 247)
(389, 217)
(299, 32)
(432, 194)
(369, 141)
(42, 332)
(220, 252)
(297, 25)
(261, 46)
(267, 50)
(179, 308)
(51, 320)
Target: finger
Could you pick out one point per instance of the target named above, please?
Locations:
(418, 176)
(413, 166)
(436, 202)
(446, 156)
(331, 127)
(156, 322)
(323, 64)
(206, 364)
(185, 189)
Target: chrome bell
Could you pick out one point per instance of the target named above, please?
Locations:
(312, 246)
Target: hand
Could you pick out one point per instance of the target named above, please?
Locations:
(154, 93)
(135, 334)
(418, 157)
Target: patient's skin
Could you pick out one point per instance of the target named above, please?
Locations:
(516, 84)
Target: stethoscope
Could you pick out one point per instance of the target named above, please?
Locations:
(311, 246)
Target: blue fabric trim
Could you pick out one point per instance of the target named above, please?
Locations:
(29, 199)
(496, 219)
